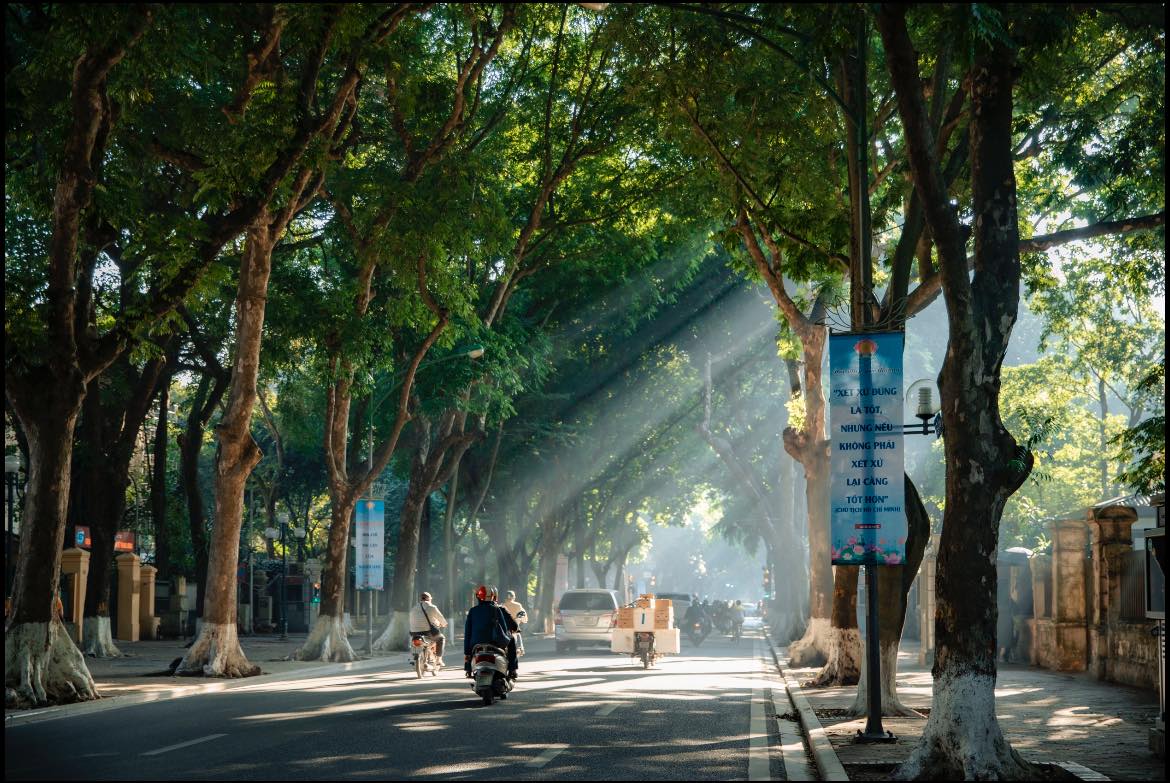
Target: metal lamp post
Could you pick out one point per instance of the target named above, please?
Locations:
(11, 469)
(281, 533)
(929, 425)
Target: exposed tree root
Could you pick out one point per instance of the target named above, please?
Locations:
(812, 649)
(962, 739)
(217, 653)
(327, 642)
(843, 666)
(43, 666)
(96, 638)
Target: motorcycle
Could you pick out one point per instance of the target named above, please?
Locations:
(423, 655)
(644, 648)
(489, 670)
(697, 631)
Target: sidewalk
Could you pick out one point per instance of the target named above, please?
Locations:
(142, 673)
(1047, 716)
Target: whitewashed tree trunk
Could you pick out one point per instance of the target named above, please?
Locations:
(217, 653)
(891, 706)
(97, 640)
(397, 633)
(42, 665)
(327, 642)
(844, 662)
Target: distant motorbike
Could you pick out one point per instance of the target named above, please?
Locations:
(489, 670)
(644, 648)
(697, 631)
(424, 657)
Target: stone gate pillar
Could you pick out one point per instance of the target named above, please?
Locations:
(128, 597)
(1112, 541)
(1070, 537)
(147, 622)
(75, 564)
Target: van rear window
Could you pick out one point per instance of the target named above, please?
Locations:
(595, 602)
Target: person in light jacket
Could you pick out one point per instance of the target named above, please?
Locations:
(425, 618)
(515, 609)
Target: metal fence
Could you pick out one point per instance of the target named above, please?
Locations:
(1133, 587)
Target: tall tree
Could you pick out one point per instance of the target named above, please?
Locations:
(985, 463)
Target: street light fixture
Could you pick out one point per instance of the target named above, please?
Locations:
(280, 533)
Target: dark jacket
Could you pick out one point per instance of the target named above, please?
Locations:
(481, 619)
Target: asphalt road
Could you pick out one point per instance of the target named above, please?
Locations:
(585, 715)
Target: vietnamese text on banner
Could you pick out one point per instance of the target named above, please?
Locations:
(867, 494)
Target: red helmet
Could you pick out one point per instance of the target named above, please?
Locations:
(481, 593)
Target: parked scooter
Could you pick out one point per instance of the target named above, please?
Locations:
(489, 670)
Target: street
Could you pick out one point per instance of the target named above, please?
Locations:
(589, 714)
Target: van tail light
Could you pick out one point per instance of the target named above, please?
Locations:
(557, 618)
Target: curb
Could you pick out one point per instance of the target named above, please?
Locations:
(828, 764)
(115, 702)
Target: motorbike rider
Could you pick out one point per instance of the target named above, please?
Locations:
(427, 620)
(513, 628)
(695, 614)
(480, 628)
(514, 608)
(736, 612)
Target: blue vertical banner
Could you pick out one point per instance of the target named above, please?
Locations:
(867, 512)
(369, 534)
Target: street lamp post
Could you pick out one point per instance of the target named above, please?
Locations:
(275, 533)
(11, 469)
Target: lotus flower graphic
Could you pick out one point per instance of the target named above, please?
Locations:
(866, 347)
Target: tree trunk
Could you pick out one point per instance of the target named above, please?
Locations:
(844, 664)
(217, 652)
(546, 584)
(190, 447)
(962, 738)
(894, 583)
(158, 489)
(328, 640)
(424, 546)
(42, 665)
(397, 633)
(98, 500)
(1103, 438)
(816, 646)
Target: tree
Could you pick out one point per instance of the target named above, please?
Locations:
(985, 463)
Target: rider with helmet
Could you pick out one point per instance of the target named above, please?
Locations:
(427, 620)
(488, 623)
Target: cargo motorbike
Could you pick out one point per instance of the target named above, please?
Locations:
(489, 673)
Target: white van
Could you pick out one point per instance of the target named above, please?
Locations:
(585, 617)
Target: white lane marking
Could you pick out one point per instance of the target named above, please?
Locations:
(606, 710)
(186, 744)
(550, 753)
(759, 767)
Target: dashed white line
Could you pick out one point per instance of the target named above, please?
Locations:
(550, 753)
(186, 744)
(759, 766)
(606, 710)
